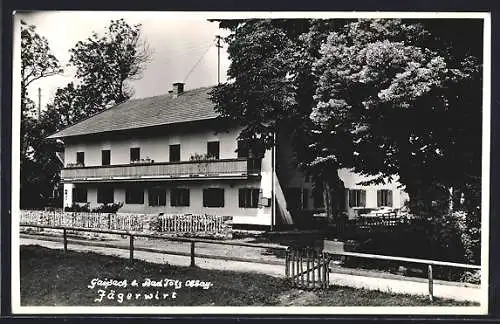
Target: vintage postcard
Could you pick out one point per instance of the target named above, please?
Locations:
(250, 163)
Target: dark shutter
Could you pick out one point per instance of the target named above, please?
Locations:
(162, 198)
(241, 198)
(152, 197)
(135, 154)
(213, 197)
(255, 198)
(175, 153)
(379, 198)
(106, 157)
(389, 198)
(213, 150)
(80, 158)
(186, 197)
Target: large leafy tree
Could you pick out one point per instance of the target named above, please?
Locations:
(407, 108)
(270, 90)
(37, 62)
(104, 66)
(382, 96)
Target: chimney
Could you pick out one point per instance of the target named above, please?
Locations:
(177, 89)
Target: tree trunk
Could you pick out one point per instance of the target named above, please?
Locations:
(333, 193)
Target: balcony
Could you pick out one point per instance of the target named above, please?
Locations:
(188, 170)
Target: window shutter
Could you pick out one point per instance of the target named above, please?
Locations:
(241, 194)
(162, 200)
(152, 197)
(255, 198)
(389, 198)
(363, 198)
(349, 197)
(379, 198)
(187, 197)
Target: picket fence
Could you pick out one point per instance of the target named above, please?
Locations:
(193, 223)
(165, 223)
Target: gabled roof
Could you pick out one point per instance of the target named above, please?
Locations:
(191, 105)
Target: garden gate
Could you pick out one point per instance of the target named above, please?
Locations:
(307, 268)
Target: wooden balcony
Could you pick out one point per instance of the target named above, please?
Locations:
(188, 170)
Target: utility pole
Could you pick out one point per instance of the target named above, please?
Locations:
(218, 57)
(39, 102)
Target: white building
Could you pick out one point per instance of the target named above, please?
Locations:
(168, 154)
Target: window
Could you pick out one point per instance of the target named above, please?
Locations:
(80, 195)
(213, 150)
(243, 149)
(175, 153)
(318, 201)
(213, 197)
(80, 158)
(248, 150)
(357, 198)
(135, 154)
(106, 157)
(293, 197)
(105, 195)
(134, 196)
(157, 197)
(248, 198)
(179, 197)
(384, 198)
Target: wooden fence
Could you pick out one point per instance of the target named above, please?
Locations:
(307, 268)
(168, 224)
(193, 224)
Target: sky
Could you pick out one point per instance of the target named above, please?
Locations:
(180, 44)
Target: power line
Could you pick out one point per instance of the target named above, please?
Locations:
(196, 64)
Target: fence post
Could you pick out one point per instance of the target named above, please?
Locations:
(302, 274)
(192, 254)
(131, 247)
(313, 252)
(65, 238)
(286, 264)
(326, 270)
(431, 288)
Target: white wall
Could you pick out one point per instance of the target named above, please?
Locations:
(156, 148)
(256, 216)
(192, 142)
(351, 180)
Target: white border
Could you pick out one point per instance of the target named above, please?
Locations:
(433, 310)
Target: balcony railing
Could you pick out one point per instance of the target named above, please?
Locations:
(209, 169)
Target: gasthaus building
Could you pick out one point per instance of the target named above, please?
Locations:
(167, 154)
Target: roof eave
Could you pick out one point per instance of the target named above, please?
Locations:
(57, 136)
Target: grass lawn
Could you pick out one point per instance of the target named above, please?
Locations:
(53, 278)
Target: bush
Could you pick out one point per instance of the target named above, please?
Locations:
(457, 236)
(473, 277)
(108, 208)
(78, 208)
